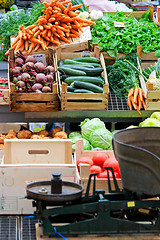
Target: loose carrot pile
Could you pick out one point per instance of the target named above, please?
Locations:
(136, 99)
(58, 23)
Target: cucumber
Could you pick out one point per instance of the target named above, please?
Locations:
(70, 89)
(72, 72)
(82, 91)
(78, 66)
(94, 80)
(60, 63)
(72, 62)
(87, 59)
(62, 77)
(89, 86)
(88, 71)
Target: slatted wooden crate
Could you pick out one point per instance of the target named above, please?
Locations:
(83, 101)
(41, 102)
(101, 183)
(32, 160)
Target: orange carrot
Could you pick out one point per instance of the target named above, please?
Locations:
(26, 44)
(144, 105)
(131, 92)
(35, 40)
(35, 29)
(41, 27)
(64, 39)
(52, 19)
(19, 44)
(75, 32)
(72, 14)
(37, 47)
(37, 33)
(129, 103)
(48, 42)
(76, 7)
(49, 33)
(22, 47)
(139, 102)
(133, 103)
(84, 20)
(21, 27)
(15, 41)
(30, 27)
(46, 4)
(140, 94)
(31, 47)
(71, 35)
(136, 90)
(7, 53)
(55, 42)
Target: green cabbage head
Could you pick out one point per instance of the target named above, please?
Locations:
(101, 138)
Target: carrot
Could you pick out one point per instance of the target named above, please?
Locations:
(67, 34)
(31, 47)
(61, 28)
(76, 7)
(20, 34)
(56, 34)
(71, 35)
(52, 19)
(84, 20)
(75, 32)
(35, 40)
(19, 44)
(47, 14)
(26, 44)
(131, 91)
(140, 94)
(37, 47)
(48, 42)
(64, 39)
(37, 33)
(22, 47)
(66, 2)
(35, 29)
(144, 105)
(133, 103)
(42, 21)
(129, 103)
(30, 32)
(136, 90)
(7, 53)
(41, 27)
(47, 26)
(55, 42)
(139, 102)
(72, 14)
(30, 27)
(49, 33)
(15, 41)
(44, 32)
(46, 4)
(60, 32)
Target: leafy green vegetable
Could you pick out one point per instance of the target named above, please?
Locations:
(155, 115)
(150, 122)
(75, 135)
(137, 32)
(101, 138)
(88, 126)
(9, 25)
(149, 70)
(122, 77)
(77, 2)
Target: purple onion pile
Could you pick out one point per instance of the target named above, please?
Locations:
(31, 76)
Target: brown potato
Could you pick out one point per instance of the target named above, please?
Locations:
(9, 136)
(12, 132)
(2, 137)
(61, 134)
(45, 133)
(55, 130)
(34, 136)
(24, 134)
(46, 138)
(1, 146)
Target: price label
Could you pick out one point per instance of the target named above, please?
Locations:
(40, 58)
(86, 34)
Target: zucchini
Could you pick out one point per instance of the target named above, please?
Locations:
(78, 66)
(62, 77)
(83, 91)
(94, 80)
(87, 59)
(89, 86)
(60, 63)
(88, 71)
(72, 72)
(70, 89)
(72, 62)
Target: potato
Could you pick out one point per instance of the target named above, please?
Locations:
(45, 133)
(2, 137)
(34, 136)
(1, 146)
(24, 134)
(12, 132)
(61, 135)
(9, 136)
(55, 130)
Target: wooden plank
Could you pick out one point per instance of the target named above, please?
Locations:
(83, 106)
(155, 94)
(38, 97)
(146, 64)
(85, 96)
(38, 151)
(34, 107)
(153, 105)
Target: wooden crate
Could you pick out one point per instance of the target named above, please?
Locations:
(96, 101)
(18, 169)
(37, 102)
(4, 100)
(85, 169)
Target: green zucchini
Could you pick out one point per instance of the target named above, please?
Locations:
(62, 77)
(88, 71)
(82, 91)
(87, 59)
(72, 62)
(78, 66)
(72, 72)
(94, 80)
(89, 86)
(70, 89)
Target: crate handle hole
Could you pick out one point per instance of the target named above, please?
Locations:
(38, 152)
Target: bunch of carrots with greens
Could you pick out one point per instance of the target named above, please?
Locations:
(136, 99)
(58, 23)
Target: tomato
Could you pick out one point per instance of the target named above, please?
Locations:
(96, 169)
(117, 175)
(99, 158)
(112, 163)
(85, 160)
(104, 174)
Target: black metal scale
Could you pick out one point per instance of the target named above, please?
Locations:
(131, 209)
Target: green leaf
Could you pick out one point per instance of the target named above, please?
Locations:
(157, 53)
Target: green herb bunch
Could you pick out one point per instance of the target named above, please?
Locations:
(137, 32)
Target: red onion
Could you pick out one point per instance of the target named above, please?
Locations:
(25, 77)
(19, 61)
(30, 58)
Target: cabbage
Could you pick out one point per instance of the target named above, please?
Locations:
(88, 126)
(86, 144)
(155, 115)
(75, 135)
(101, 138)
(150, 122)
